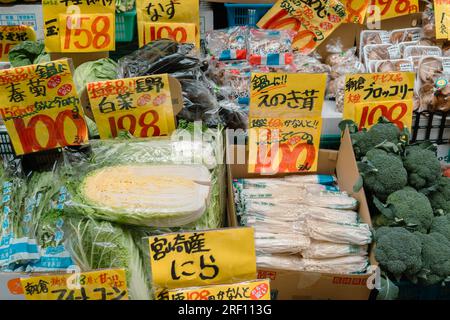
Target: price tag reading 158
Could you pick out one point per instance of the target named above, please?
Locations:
(86, 32)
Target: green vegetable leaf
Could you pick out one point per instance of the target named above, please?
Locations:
(359, 184)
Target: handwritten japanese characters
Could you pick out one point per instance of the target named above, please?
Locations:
(96, 285)
(370, 96)
(41, 108)
(141, 106)
(188, 259)
(13, 35)
(285, 122)
(79, 25)
(250, 290)
(313, 21)
(174, 19)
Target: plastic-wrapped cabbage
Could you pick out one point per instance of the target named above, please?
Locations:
(92, 71)
(151, 182)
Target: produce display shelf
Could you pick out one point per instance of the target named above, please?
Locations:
(125, 26)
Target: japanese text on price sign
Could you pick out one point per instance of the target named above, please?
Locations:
(167, 11)
(441, 12)
(179, 32)
(12, 35)
(369, 96)
(79, 25)
(387, 9)
(95, 285)
(142, 106)
(249, 290)
(41, 108)
(356, 10)
(313, 21)
(188, 259)
(285, 122)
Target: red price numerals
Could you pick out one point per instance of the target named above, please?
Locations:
(146, 121)
(198, 295)
(28, 134)
(400, 7)
(85, 32)
(370, 116)
(178, 34)
(4, 50)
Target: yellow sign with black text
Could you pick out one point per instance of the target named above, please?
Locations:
(13, 35)
(441, 16)
(191, 259)
(95, 285)
(40, 107)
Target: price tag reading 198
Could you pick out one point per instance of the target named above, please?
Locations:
(87, 32)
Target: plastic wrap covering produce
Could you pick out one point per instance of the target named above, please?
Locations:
(281, 243)
(399, 65)
(154, 182)
(337, 232)
(228, 44)
(102, 245)
(428, 22)
(28, 52)
(326, 250)
(93, 71)
(309, 64)
(270, 47)
(434, 83)
(124, 5)
(288, 262)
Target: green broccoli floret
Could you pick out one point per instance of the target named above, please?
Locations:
(435, 258)
(363, 141)
(398, 251)
(441, 224)
(423, 167)
(407, 207)
(440, 198)
(383, 173)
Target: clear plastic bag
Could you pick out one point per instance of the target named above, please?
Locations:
(270, 47)
(347, 233)
(327, 250)
(279, 262)
(404, 35)
(291, 243)
(399, 65)
(434, 83)
(228, 44)
(341, 265)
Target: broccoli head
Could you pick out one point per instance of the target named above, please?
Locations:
(440, 198)
(383, 173)
(441, 224)
(408, 207)
(398, 251)
(422, 166)
(363, 141)
(435, 258)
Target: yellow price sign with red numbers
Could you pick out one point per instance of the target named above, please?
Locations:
(167, 12)
(368, 96)
(179, 32)
(386, 9)
(79, 25)
(41, 108)
(86, 32)
(249, 290)
(95, 285)
(142, 106)
(201, 258)
(13, 35)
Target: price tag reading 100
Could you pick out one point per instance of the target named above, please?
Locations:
(86, 32)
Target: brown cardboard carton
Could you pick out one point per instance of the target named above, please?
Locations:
(312, 285)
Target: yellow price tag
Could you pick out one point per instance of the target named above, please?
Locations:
(365, 89)
(167, 11)
(399, 112)
(13, 35)
(441, 11)
(95, 285)
(249, 290)
(179, 32)
(188, 259)
(40, 107)
(141, 106)
(285, 122)
(79, 25)
(86, 32)
(313, 21)
(386, 9)
(356, 10)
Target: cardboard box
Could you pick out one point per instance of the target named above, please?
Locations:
(26, 14)
(310, 285)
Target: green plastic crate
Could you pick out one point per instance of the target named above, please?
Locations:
(330, 141)
(125, 26)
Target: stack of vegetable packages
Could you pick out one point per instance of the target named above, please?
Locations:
(303, 223)
(411, 204)
(99, 202)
